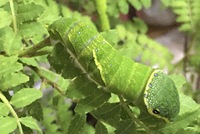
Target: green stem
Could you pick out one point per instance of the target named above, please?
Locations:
(14, 21)
(32, 50)
(4, 99)
(43, 77)
(125, 106)
(101, 9)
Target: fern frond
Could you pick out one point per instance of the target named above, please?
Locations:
(122, 6)
(140, 47)
(187, 14)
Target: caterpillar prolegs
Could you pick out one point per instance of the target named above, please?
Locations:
(119, 74)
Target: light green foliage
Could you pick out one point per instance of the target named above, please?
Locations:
(132, 43)
(3, 2)
(56, 80)
(8, 125)
(122, 6)
(114, 8)
(138, 4)
(194, 61)
(10, 41)
(28, 11)
(22, 26)
(10, 73)
(38, 98)
(77, 124)
(179, 80)
(188, 14)
(7, 18)
(25, 97)
(31, 123)
(4, 110)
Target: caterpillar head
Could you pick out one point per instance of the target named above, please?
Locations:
(161, 96)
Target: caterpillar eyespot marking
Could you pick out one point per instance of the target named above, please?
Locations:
(155, 111)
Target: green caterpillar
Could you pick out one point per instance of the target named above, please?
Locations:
(120, 75)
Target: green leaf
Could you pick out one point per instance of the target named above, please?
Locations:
(8, 125)
(189, 110)
(136, 4)
(48, 122)
(2, 2)
(146, 3)
(150, 46)
(92, 102)
(140, 25)
(6, 21)
(185, 27)
(194, 60)
(113, 9)
(25, 97)
(30, 122)
(179, 4)
(139, 47)
(55, 79)
(111, 36)
(10, 42)
(109, 113)
(12, 79)
(62, 65)
(187, 105)
(9, 64)
(123, 6)
(88, 129)
(126, 127)
(77, 124)
(100, 128)
(63, 107)
(29, 12)
(54, 9)
(4, 111)
(33, 31)
(121, 32)
(29, 61)
(187, 13)
(35, 109)
(166, 3)
(179, 80)
(80, 88)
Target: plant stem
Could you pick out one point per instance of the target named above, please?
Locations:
(14, 21)
(101, 9)
(125, 106)
(4, 99)
(44, 78)
(32, 50)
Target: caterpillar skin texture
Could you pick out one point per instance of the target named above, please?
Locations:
(119, 74)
